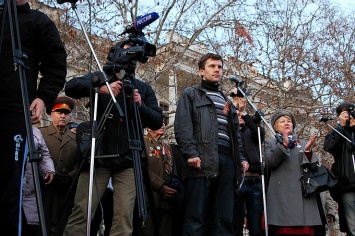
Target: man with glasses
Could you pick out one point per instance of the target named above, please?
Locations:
(62, 147)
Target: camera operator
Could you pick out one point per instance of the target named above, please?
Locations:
(115, 142)
(343, 166)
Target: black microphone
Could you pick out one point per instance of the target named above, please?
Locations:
(325, 119)
(235, 79)
(64, 1)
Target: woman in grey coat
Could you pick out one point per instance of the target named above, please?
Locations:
(288, 211)
(29, 202)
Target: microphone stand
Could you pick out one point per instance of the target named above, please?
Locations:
(352, 143)
(19, 65)
(262, 162)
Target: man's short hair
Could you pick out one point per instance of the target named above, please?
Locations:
(204, 58)
(345, 106)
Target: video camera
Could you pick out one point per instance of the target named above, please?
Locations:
(351, 111)
(121, 57)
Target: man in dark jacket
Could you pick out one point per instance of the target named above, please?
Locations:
(41, 43)
(115, 144)
(250, 196)
(344, 165)
(207, 132)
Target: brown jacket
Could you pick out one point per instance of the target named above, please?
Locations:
(64, 154)
(63, 151)
(157, 170)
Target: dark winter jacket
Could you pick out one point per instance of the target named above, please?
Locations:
(116, 137)
(196, 132)
(42, 45)
(343, 166)
(251, 142)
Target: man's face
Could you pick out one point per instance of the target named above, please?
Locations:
(212, 71)
(60, 119)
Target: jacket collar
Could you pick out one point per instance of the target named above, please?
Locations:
(24, 8)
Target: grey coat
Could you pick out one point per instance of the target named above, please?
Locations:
(29, 202)
(286, 205)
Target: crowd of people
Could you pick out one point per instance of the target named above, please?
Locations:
(217, 187)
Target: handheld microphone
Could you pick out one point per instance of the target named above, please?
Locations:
(69, 1)
(235, 79)
(325, 119)
(141, 22)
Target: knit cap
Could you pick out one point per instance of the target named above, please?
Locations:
(282, 112)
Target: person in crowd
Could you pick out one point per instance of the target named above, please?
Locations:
(63, 150)
(288, 211)
(250, 196)
(41, 42)
(344, 165)
(30, 221)
(207, 132)
(114, 143)
(163, 176)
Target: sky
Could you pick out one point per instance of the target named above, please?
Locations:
(346, 4)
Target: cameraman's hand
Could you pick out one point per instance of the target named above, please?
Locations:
(115, 87)
(343, 117)
(137, 98)
(37, 108)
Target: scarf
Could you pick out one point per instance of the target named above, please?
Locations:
(291, 142)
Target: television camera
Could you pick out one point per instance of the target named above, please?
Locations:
(139, 49)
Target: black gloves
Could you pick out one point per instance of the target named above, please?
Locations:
(62, 179)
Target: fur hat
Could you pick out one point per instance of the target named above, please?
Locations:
(282, 112)
(62, 103)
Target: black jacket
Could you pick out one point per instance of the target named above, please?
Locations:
(343, 166)
(251, 142)
(196, 132)
(46, 54)
(116, 137)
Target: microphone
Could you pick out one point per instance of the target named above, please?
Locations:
(69, 1)
(235, 79)
(141, 22)
(325, 119)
